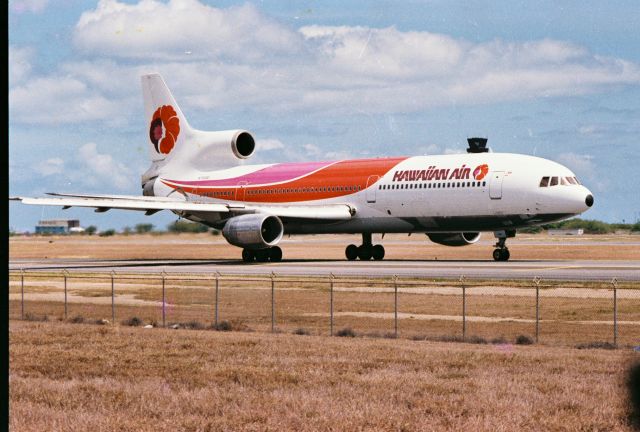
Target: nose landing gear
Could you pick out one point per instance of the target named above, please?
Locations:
(365, 251)
(501, 253)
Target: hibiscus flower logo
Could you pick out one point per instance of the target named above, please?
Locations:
(480, 171)
(164, 129)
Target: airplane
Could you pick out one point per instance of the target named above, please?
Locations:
(201, 176)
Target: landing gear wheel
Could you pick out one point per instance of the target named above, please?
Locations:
(248, 255)
(497, 254)
(364, 253)
(377, 252)
(351, 252)
(275, 254)
(506, 254)
(262, 255)
(501, 254)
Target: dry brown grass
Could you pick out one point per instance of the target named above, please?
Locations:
(570, 314)
(329, 247)
(87, 377)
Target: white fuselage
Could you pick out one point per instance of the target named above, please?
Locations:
(442, 193)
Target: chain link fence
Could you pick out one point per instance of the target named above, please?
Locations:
(584, 314)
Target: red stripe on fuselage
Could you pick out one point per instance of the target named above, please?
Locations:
(335, 180)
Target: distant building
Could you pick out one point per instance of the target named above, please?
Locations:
(57, 226)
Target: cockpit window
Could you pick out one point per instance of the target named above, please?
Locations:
(572, 180)
(564, 181)
(544, 182)
(554, 181)
(577, 181)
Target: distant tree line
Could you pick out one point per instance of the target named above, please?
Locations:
(186, 226)
(589, 226)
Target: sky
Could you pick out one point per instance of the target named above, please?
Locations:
(321, 80)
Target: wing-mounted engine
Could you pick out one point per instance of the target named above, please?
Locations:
(253, 231)
(454, 239)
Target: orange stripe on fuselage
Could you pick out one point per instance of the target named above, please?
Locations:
(336, 180)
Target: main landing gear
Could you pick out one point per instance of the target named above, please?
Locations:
(501, 253)
(365, 251)
(273, 254)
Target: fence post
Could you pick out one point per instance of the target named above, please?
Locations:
(395, 306)
(331, 304)
(614, 283)
(464, 308)
(164, 303)
(65, 272)
(22, 294)
(113, 298)
(217, 294)
(273, 303)
(536, 281)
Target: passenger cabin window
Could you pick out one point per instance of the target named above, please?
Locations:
(544, 182)
(554, 181)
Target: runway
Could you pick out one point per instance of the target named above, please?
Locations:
(601, 270)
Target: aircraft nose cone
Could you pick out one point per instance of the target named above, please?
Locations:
(589, 200)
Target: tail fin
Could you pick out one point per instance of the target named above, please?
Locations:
(174, 145)
(168, 127)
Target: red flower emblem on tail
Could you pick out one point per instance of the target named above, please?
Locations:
(480, 171)
(164, 129)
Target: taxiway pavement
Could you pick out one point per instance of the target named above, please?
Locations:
(515, 269)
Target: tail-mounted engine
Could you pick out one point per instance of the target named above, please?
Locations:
(207, 150)
(454, 239)
(243, 144)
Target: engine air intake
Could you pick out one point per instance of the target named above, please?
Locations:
(243, 145)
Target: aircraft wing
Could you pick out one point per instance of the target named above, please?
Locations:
(151, 205)
(122, 202)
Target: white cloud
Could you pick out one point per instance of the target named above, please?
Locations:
(269, 144)
(312, 149)
(382, 53)
(101, 169)
(57, 99)
(50, 166)
(586, 169)
(429, 149)
(449, 151)
(182, 29)
(21, 6)
(242, 58)
(582, 164)
(19, 64)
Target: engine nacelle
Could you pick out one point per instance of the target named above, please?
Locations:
(454, 239)
(242, 144)
(220, 149)
(253, 231)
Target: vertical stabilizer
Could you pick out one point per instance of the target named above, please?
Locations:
(176, 147)
(167, 127)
